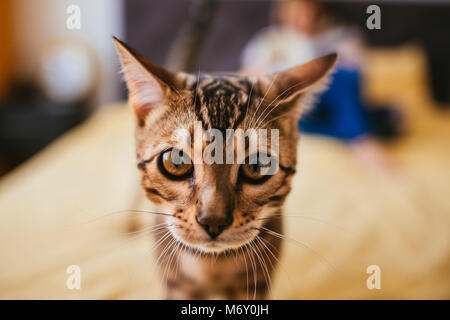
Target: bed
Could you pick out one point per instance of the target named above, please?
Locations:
(68, 206)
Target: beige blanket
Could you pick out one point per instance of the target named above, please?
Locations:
(64, 207)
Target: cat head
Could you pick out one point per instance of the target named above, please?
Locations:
(217, 152)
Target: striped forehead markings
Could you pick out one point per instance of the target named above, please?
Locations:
(221, 102)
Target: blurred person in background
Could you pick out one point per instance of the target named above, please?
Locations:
(304, 30)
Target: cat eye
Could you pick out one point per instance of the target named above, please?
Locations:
(258, 168)
(175, 164)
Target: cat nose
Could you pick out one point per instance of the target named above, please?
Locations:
(214, 225)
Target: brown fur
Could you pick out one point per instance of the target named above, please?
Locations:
(238, 263)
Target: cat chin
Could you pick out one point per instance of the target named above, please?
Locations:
(213, 246)
(218, 247)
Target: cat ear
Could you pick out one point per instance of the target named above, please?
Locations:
(286, 87)
(148, 84)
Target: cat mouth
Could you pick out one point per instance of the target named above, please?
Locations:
(232, 239)
(216, 245)
(213, 243)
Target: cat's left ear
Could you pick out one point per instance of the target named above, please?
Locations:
(286, 87)
(149, 85)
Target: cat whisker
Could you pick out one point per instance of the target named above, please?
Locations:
(306, 218)
(263, 263)
(274, 100)
(274, 107)
(243, 249)
(171, 252)
(248, 250)
(144, 229)
(262, 251)
(260, 239)
(324, 261)
(266, 244)
(183, 248)
(252, 250)
(164, 251)
(129, 211)
(255, 269)
(176, 250)
(274, 119)
(145, 234)
(148, 212)
(249, 99)
(257, 122)
(162, 254)
(260, 103)
(157, 244)
(246, 268)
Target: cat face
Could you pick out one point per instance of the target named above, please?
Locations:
(216, 192)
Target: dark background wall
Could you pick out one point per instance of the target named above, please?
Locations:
(151, 26)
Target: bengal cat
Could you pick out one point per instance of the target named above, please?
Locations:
(220, 222)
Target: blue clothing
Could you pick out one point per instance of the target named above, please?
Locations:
(339, 112)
